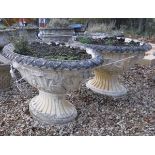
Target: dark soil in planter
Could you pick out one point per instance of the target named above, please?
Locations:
(52, 51)
(115, 41)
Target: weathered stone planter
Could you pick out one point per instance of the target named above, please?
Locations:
(56, 35)
(5, 76)
(53, 79)
(106, 79)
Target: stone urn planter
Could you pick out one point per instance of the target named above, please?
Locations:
(118, 57)
(55, 35)
(53, 79)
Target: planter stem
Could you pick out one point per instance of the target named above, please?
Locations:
(52, 108)
(106, 82)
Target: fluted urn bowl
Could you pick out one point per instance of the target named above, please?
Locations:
(53, 79)
(117, 58)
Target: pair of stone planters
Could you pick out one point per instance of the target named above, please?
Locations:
(53, 79)
(116, 60)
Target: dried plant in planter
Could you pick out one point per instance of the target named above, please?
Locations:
(21, 44)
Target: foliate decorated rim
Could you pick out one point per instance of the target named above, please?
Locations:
(96, 60)
(113, 49)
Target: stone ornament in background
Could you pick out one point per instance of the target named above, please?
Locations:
(149, 58)
(7, 34)
(106, 79)
(55, 35)
(30, 32)
(53, 79)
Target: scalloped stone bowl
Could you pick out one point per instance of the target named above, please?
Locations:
(106, 79)
(53, 79)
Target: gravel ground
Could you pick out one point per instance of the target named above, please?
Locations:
(132, 114)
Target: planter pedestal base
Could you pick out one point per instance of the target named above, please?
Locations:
(52, 108)
(106, 82)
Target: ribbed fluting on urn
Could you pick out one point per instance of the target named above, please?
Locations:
(107, 83)
(52, 108)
